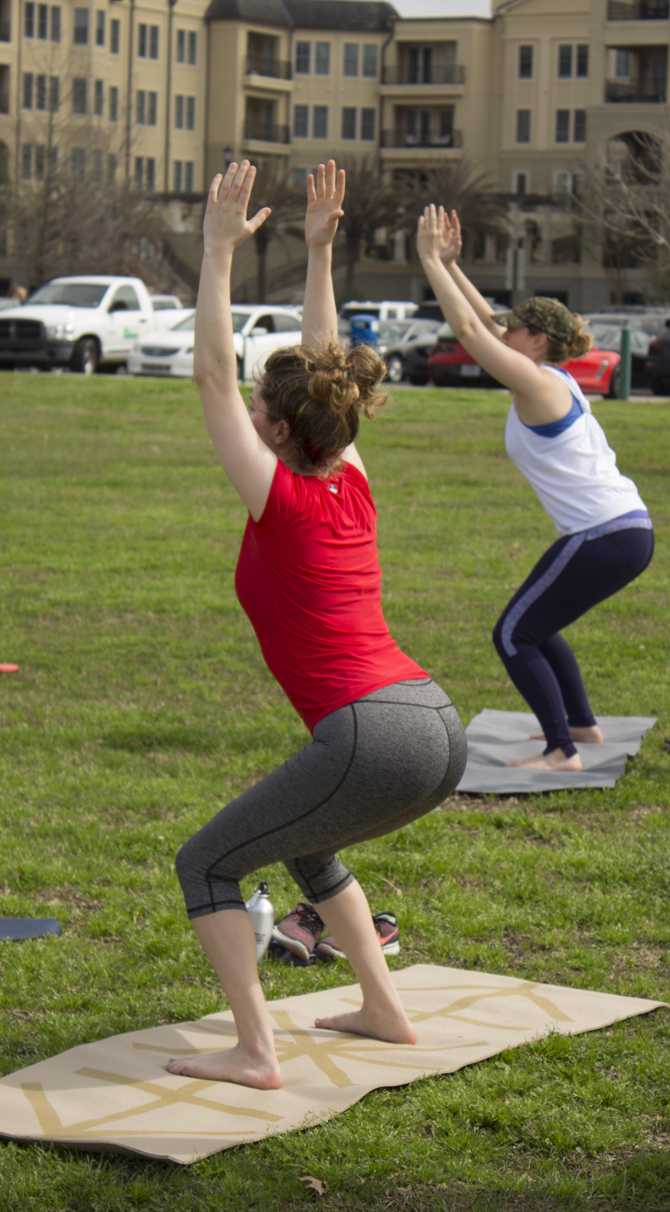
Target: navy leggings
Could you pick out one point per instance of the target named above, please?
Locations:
(576, 572)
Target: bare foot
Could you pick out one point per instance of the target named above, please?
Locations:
(556, 760)
(234, 1065)
(590, 734)
(391, 1025)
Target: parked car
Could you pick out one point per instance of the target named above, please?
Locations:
(258, 331)
(82, 322)
(657, 364)
(381, 310)
(167, 303)
(401, 339)
(644, 326)
(450, 365)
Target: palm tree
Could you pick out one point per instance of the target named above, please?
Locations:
(459, 186)
(275, 188)
(371, 202)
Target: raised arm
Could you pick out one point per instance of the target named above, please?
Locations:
(249, 463)
(324, 211)
(325, 196)
(452, 245)
(537, 395)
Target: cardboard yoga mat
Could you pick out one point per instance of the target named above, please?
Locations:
(117, 1094)
(498, 737)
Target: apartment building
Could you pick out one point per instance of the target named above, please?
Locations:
(161, 93)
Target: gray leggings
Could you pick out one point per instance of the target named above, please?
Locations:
(371, 767)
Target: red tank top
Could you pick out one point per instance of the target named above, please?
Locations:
(308, 577)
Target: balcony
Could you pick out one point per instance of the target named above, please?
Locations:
(638, 10)
(636, 93)
(275, 69)
(266, 132)
(449, 73)
(409, 142)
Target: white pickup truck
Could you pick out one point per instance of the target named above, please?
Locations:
(79, 322)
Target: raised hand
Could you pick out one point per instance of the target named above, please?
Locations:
(226, 222)
(324, 204)
(439, 234)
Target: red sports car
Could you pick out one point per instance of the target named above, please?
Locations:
(597, 371)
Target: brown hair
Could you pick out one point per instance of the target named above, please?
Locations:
(579, 343)
(321, 393)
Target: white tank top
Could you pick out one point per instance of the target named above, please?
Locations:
(570, 466)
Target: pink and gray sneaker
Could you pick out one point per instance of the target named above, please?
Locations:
(299, 932)
(388, 933)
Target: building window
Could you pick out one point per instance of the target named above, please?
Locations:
(189, 176)
(190, 113)
(100, 18)
(78, 161)
(525, 62)
(80, 27)
(177, 176)
(113, 103)
(43, 21)
(302, 58)
(96, 171)
(150, 174)
(564, 61)
(179, 112)
(322, 58)
(370, 60)
(520, 184)
(622, 62)
(54, 94)
(368, 123)
(350, 64)
(192, 47)
(153, 41)
(582, 61)
(300, 121)
(579, 127)
(115, 36)
(29, 32)
(139, 171)
(523, 126)
(79, 97)
(55, 23)
(349, 122)
(41, 92)
(40, 161)
(320, 122)
(99, 98)
(181, 46)
(111, 168)
(562, 125)
(27, 90)
(299, 178)
(140, 107)
(147, 41)
(27, 161)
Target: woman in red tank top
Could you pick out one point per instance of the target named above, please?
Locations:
(387, 742)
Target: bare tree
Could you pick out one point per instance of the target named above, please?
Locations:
(623, 200)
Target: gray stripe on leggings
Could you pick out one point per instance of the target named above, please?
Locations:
(536, 590)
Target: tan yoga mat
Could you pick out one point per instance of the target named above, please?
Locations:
(116, 1094)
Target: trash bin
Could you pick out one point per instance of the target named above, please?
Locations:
(364, 330)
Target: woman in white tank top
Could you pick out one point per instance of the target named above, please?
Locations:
(557, 444)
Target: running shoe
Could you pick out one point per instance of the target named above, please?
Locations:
(388, 933)
(299, 931)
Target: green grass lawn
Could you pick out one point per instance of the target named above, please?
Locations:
(143, 706)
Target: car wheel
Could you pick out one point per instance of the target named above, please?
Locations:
(395, 368)
(615, 385)
(86, 356)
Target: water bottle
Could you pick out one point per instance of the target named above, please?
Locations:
(262, 915)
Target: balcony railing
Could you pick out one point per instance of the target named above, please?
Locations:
(260, 65)
(638, 10)
(635, 94)
(400, 138)
(450, 73)
(266, 132)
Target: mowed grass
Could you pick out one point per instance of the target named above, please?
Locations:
(143, 706)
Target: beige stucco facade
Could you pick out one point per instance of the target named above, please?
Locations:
(531, 96)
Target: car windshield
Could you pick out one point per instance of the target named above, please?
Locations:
(187, 325)
(239, 319)
(607, 335)
(165, 304)
(71, 294)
